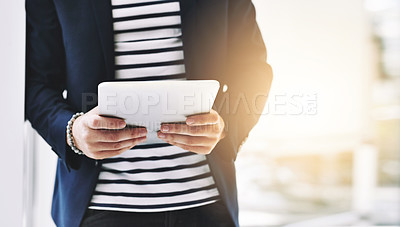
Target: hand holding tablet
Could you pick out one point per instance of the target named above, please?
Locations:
(200, 134)
(152, 103)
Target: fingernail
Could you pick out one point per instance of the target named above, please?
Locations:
(164, 128)
(122, 124)
(142, 132)
(189, 121)
(161, 135)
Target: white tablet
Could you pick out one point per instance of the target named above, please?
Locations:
(150, 103)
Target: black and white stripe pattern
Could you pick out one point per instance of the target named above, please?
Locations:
(154, 179)
(148, 39)
(151, 177)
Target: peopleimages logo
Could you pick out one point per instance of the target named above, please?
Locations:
(283, 103)
(150, 110)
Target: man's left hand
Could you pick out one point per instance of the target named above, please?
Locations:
(200, 133)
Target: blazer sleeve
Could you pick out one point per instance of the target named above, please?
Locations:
(45, 106)
(248, 77)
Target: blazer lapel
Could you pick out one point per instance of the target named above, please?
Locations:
(188, 14)
(103, 14)
(204, 30)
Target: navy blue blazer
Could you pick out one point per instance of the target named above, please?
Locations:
(69, 46)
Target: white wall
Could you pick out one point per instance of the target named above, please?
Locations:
(12, 67)
(44, 174)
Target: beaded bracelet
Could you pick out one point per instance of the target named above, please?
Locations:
(70, 138)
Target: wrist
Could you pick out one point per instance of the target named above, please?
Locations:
(69, 133)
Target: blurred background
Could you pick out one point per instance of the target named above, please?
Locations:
(326, 151)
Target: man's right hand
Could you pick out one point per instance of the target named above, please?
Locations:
(104, 137)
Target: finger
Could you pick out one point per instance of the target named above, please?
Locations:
(195, 149)
(111, 153)
(99, 122)
(189, 140)
(130, 146)
(202, 130)
(203, 119)
(101, 146)
(108, 154)
(116, 135)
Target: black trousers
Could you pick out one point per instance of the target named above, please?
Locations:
(213, 215)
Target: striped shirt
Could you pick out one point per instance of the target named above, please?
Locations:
(151, 177)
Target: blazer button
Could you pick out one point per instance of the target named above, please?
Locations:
(224, 88)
